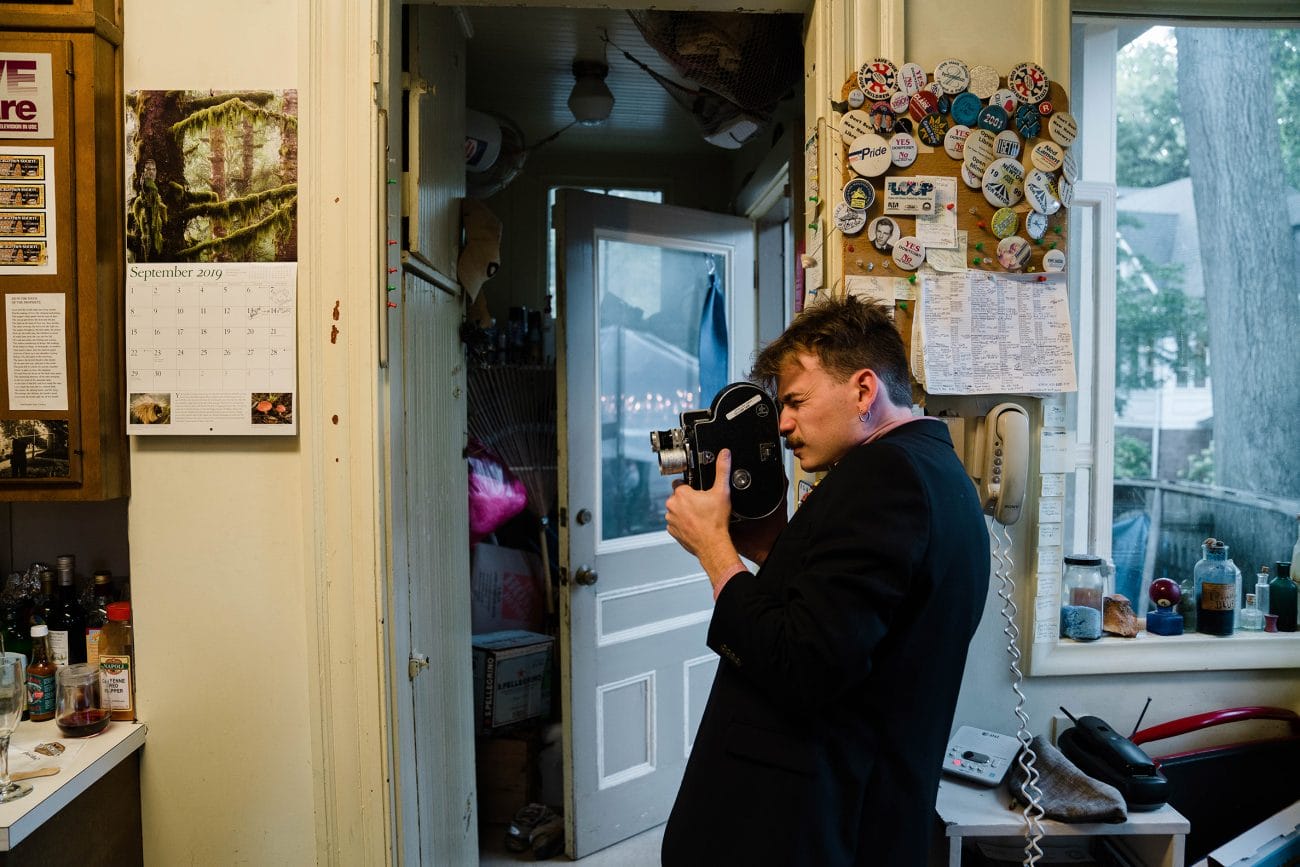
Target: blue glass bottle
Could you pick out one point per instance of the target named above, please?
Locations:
(1217, 580)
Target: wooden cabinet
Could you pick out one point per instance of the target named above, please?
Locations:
(73, 447)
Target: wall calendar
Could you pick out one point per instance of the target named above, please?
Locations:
(211, 348)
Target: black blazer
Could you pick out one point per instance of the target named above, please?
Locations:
(823, 735)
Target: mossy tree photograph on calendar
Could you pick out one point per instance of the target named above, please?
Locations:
(212, 176)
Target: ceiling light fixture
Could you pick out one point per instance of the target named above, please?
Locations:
(590, 100)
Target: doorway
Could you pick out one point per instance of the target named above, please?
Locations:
(518, 70)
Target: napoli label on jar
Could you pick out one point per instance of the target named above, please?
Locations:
(1013, 252)
(909, 253)
(115, 681)
(1004, 183)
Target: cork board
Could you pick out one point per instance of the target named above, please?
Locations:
(974, 213)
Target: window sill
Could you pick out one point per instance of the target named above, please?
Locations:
(1153, 653)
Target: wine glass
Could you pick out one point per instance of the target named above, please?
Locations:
(13, 698)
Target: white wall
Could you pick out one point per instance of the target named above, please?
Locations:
(216, 542)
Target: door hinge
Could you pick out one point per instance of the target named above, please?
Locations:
(416, 664)
(564, 517)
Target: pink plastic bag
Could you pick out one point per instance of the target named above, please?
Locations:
(495, 495)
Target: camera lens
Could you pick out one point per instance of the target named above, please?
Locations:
(672, 461)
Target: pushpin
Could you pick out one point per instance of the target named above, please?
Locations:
(1038, 241)
(1051, 246)
(982, 224)
(951, 205)
(851, 250)
(812, 198)
(911, 278)
(813, 226)
(859, 263)
(902, 305)
(392, 270)
(1056, 229)
(391, 242)
(979, 246)
(871, 266)
(1042, 278)
(392, 303)
(884, 264)
(392, 288)
(971, 211)
(392, 181)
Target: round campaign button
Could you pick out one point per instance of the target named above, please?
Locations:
(1007, 144)
(855, 123)
(1045, 108)
(1035, 224)
(992, 117)
(1065, 190)
(902, 124)
(1004, 223)
(984, 81)
(935, 88)
(1069, 168)
(965, 108)
(911, 78)
(1004, 182)
(878, 78)
(859, 194)
(969, 177)
(1006, 99)
(1040, 190)
(921, 104)
(909, 253)
(849, 220)
(932, 129)
(1047, 155)
(857, 98)
(1062, 128)
(1028, 122)
(981, 144)
(1013, 252)
(952, 75)
(902, 149)
(882, 118)
(1029, 82)
(898, 102)
(1054, 260)
(869, 155)
(954, 140)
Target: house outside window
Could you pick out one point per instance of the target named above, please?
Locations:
(1190, 435)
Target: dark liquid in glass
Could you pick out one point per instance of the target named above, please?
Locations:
(83, 723)
(1214, 622)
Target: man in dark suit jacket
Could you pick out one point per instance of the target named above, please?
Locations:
(823, 735)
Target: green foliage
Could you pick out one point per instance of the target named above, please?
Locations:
(1159, 330)
(1132, 458)
(278, 223)
(1149, 121)
(231, 114)
(1200, 467)
(1286, 83)
(149, 213)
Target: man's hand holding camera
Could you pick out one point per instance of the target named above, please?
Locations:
(701, 522)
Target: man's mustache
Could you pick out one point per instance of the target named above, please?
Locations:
(792, 443)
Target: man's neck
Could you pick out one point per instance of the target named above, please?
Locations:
(890, 418)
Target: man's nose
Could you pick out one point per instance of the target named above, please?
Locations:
(786, 422)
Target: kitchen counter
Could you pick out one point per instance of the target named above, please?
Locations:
(84, 763)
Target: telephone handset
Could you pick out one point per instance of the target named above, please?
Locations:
(1002, 445)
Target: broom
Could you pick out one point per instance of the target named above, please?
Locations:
(512, 412)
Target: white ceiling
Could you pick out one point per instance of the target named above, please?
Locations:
(520, 63)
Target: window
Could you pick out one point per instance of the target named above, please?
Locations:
(1190, 434)
(644, 195)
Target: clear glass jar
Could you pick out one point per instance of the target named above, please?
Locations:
(1082, 589)
(1218, 589)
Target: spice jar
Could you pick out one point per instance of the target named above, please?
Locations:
(1082, 588)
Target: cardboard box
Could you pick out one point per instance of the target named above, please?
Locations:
(512, 677)
(1272, 843)
(505, 590)
(505, 770)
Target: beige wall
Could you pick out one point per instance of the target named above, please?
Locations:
(216, 542)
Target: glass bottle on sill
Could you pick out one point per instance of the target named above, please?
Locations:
(1261, 590)
(1251, 619)
(1082, 588)
(1282, 597)
(1216, 589)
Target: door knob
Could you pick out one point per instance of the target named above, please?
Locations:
(586, 576)
(584, 517)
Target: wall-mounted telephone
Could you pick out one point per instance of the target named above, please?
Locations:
(999, 461)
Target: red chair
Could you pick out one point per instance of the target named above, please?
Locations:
(1226, 790)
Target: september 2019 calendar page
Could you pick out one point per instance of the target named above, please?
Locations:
(211, 349)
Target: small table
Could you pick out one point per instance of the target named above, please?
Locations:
(1155, 838)
(85, 762)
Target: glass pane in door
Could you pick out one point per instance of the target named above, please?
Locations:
(663, 344)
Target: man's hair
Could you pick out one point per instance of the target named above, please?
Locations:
(846, 335)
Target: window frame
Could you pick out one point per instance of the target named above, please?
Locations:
(1090, 484)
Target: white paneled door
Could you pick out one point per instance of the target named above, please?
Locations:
(657, 313)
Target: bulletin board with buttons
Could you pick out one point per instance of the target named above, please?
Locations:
(957, 179)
